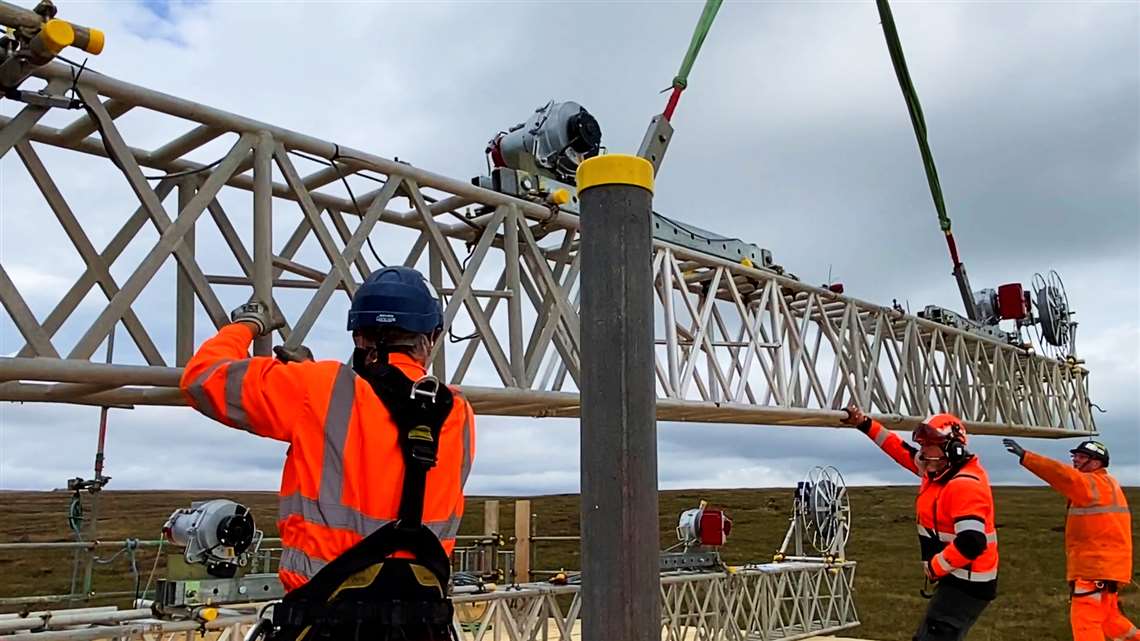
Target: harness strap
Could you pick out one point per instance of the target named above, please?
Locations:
(419, 410)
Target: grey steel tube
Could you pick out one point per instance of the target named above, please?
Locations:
(81, 371)
(619, 509)
(210, 116)
(56, 621)
(91, 146)
(263, 233)
(15, 16)
(486, 400)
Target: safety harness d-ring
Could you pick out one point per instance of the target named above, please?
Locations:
(418, 391)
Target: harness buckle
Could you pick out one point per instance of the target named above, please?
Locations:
(418, 391)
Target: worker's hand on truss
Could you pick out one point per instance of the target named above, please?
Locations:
(1013, 448)
(259, 315)
(298, 354)
(856, 417)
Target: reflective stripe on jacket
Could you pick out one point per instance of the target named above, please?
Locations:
(344, 468)
(1098, 527)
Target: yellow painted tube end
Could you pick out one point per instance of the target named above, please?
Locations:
(615, 169)
(560, 196)
(95, 42)
(57, 34)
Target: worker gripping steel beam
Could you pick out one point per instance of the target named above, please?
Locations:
(33, 39)
(378, 458)
(957, 531)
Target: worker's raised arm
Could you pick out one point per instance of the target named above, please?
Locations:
(889, 442)
(1063, 478)
(260, 395)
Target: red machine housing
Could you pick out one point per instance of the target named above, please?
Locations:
(714, 528)
(1012, 302)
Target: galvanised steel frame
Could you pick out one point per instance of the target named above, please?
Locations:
(734, 344)
(757, 603)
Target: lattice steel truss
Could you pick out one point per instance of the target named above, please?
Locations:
(734, 344)
(783, 601)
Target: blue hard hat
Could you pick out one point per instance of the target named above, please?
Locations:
(396, 297)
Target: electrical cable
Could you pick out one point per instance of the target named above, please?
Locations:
(335, 167)
(153, 568)
(451, 336)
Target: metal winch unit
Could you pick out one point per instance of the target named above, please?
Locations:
(701, 531)
(218, 534)
(219, 541)
(537, 160)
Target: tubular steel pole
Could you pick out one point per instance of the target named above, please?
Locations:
(263, 232)
(184, 289)
(621, 586)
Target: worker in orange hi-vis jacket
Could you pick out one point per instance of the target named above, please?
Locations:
(345, 468)
(1098, 538)
(955, 518)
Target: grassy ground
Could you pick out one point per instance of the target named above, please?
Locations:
(1032, 605)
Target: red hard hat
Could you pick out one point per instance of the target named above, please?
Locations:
(939, 429)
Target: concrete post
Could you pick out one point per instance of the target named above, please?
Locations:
(620, 574)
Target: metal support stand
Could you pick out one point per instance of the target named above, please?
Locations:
(621, 594)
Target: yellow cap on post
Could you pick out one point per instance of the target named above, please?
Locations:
(615, 169)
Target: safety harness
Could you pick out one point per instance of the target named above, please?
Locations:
(367, 593)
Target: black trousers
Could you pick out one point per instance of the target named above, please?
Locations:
(950, 614)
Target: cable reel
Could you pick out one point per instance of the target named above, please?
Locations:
(1055, 330)
(821, 517)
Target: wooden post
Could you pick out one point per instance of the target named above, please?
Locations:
(490, 517)
(522, 541)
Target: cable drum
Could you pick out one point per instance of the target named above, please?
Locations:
(1055, 329)
(823, 510)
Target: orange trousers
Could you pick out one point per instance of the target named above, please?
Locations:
(1097, 616)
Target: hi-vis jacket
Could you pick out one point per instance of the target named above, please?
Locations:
(1098, 528)
(344, 469)
(955, 517)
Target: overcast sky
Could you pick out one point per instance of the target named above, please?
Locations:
(793, 135)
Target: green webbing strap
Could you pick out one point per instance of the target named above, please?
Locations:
(915, 109)
(702, 30)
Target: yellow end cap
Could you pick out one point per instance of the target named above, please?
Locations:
(560, 196)
(615, 169)
(208, 614)
(747, 262)
(95, 42)
(57, 34)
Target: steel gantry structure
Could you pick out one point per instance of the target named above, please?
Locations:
(734, 343)
(766, 602)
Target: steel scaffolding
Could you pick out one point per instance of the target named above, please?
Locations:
(767, 602)
(734, 344)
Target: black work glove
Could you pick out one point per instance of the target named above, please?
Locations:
(856, 417)
(1013, 448)
(257, 313)
(299, 354)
